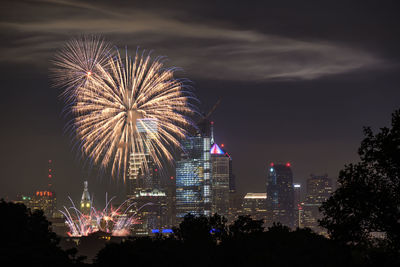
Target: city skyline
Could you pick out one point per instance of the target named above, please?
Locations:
(311, 116)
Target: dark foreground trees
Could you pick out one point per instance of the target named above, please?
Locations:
(243, 243)
(365, 210)
(26, 239)
(368, 198)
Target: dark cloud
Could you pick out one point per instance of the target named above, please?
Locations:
(205, 50)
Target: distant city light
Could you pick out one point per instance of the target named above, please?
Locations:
(256, 196)
(288, 164)
(296, 185)
(271, 169)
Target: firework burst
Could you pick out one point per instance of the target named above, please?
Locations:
(126, 106)
(78, 62)
(110, 220)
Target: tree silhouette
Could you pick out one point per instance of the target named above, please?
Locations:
(245, 225)
(368, 198)
(26, 239)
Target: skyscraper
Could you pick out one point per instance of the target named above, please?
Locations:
(193, 177)
(221, 176)
(146, 192)
(297, 204)
(319, 189)
(142, 172)
(280, 194)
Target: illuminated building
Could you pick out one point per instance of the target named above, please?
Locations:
(193, 177)
(86, 204)
(44, 200)
(319, 189)
(297, 204)
(280, 194)
(221, 167)
(139, 177)
(152, 212)
(146, 185)
(254, 204)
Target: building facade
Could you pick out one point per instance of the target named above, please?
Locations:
(254, 204)
(146, 190)
(193, 177)
(221, 178)
(280, 194)
(319, 189)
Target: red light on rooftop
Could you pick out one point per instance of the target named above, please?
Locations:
(288, 164)
(222, 145)
(172, 177)
(49, 160)
(49, 175)
(272, 164)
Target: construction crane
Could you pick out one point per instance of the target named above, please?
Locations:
(204, 124)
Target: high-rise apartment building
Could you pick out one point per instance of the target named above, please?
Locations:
(280, 194)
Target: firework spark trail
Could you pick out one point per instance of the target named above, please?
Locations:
(77, 62)
(115, 222)
(113, 96)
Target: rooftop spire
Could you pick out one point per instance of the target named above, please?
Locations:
(212, 133)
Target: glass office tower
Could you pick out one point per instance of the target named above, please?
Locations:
(193, 177)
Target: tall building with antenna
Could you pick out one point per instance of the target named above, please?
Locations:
(194, 170)
(45, 199)
(221, 176)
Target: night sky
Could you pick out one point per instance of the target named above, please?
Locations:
(297, 80)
